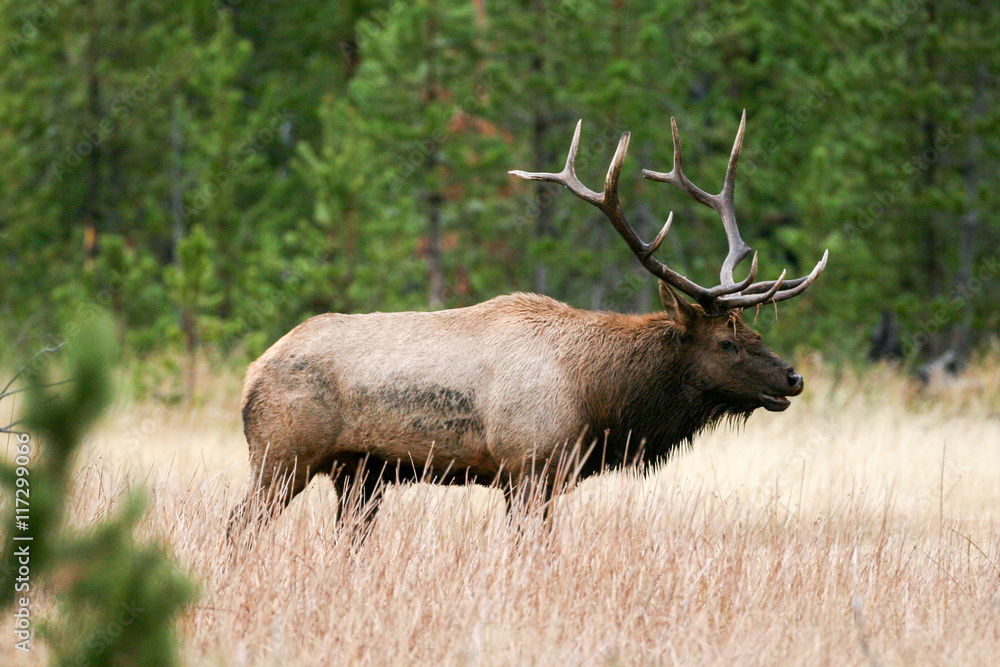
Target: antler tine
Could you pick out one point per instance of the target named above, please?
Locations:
(740, 287)
(738, 249)
(615, 168)
(792, 287)
(798, 289)
(676, 176)
(729, 185)
(747, 301)
(654, 245)
(567, 177)
(760, 288)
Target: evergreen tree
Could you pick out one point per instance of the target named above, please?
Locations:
(315, 146)
(417, 99)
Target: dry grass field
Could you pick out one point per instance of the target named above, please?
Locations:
(862, 526)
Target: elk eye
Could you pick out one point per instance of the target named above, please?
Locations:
(727, 345)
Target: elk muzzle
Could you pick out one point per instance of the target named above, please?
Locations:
(778, 401)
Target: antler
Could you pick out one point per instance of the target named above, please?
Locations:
(607, 201)
(716, 300)
(722, 203)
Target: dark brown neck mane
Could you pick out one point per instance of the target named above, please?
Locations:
(641, 401)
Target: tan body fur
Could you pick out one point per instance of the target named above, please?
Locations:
(478, 386)
(486, 388)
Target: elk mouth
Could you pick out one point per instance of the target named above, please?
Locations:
(773, 403)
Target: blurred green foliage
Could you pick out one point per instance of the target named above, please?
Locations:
(117, 597)
(214, 173)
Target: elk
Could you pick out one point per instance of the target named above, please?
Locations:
(498, 392)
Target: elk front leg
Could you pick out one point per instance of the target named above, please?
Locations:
(528, 493)
(360, 484)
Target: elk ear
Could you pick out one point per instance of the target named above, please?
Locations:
(675, 305)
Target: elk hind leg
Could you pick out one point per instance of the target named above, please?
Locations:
(269, 491)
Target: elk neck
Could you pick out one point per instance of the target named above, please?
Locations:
(638, 391)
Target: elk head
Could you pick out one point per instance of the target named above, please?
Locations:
(732, 365)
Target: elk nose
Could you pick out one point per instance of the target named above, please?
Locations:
(794, 380)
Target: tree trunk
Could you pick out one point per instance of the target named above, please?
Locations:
(968, 242)
(176, 179)
(544, 202)
(435, 273)
(91, 213)
(930, 130)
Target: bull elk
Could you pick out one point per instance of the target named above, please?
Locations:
(496, 393)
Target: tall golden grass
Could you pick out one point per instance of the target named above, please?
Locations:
(862, 526)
